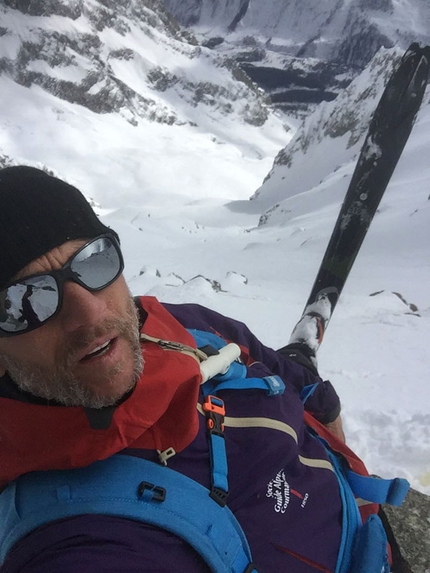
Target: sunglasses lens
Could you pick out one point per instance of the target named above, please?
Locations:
(28, 304)
(98, 264)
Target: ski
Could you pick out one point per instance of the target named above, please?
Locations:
(388, 133)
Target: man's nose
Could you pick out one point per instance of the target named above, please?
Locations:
(81, 308)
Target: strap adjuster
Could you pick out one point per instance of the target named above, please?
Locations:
(150, 492)
(219, 495)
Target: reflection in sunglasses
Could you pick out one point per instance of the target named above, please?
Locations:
(31, 301)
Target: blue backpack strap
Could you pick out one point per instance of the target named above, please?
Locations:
(351, 520)
(378, 490)
(214, 410)
(165, 498)
(370, 553)
(272, 385)
(307, 392)
(235, 377)
(203, 338)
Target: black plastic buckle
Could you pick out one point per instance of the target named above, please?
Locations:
(219, 495)
(158, 493)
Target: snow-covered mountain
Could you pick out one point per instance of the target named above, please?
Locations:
(348, 31)
(302, 52)
(129, 57)
(100, 68)
(327, 140)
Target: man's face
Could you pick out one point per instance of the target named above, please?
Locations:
(89, 353)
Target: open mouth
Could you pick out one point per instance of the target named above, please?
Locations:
(100, 350)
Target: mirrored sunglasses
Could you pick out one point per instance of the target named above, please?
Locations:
(29, 302)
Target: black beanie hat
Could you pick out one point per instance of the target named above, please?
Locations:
(39, 212)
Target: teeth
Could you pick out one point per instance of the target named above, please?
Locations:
(99, 348)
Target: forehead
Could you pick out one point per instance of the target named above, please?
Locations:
(53, 259)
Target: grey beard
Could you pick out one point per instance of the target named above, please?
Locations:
(62, 386)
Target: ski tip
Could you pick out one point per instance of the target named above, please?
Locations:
(405, 90)
(419, 53)
(416, 48)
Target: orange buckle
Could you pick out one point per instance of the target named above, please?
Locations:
(215, 412)
(214, 404)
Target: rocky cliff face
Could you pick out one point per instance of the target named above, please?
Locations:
(410, 525)
(130, 57)
(347, 31)
(302, 52)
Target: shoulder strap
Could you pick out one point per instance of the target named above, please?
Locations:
(129, 487)
(234, 376)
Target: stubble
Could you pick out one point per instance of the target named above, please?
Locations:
(63, 386)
